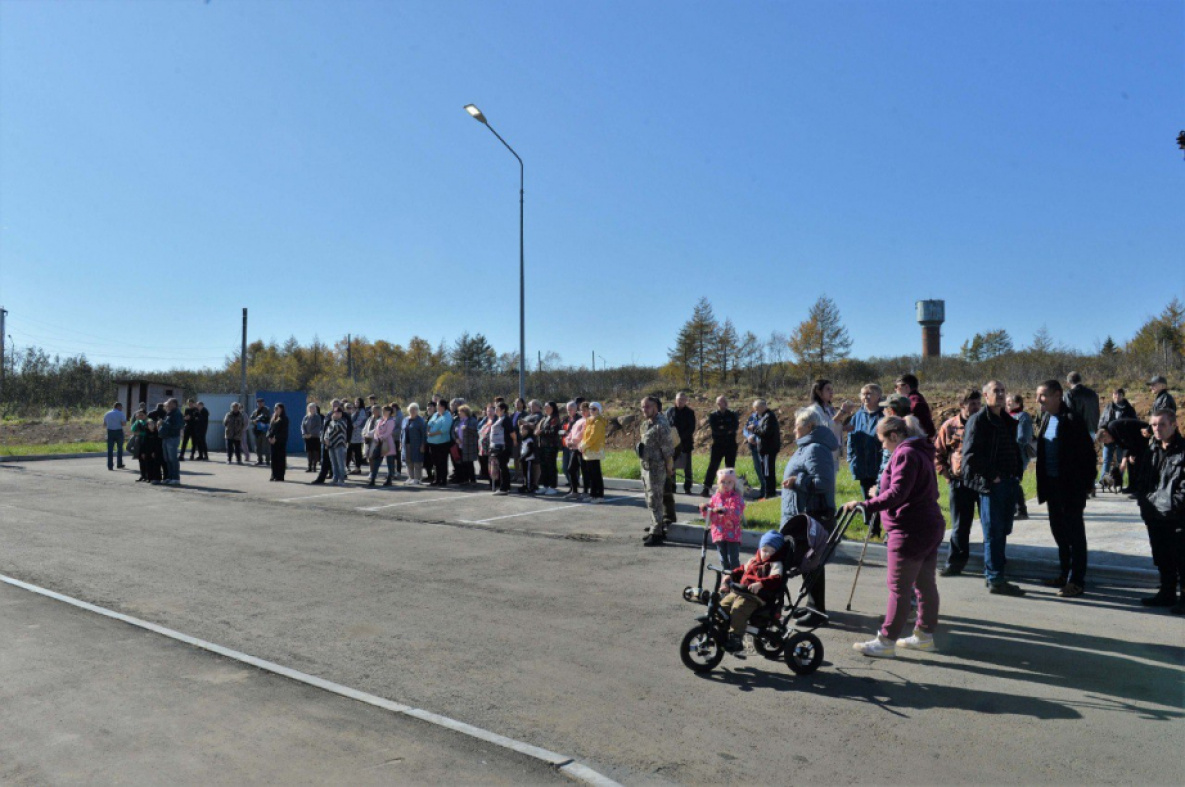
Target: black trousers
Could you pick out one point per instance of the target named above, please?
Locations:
(187, 439)
(962, 513)
(354, 453)
(234, 450)
(726, 451)
(326, 466)
(549, 475)
(769, 475)
(575, 464)
(279, 461)
(1167, 539)
(594, 482)
(1065, 507)
(502, 457)
(438, 454)
(312, 450)
(199, 441)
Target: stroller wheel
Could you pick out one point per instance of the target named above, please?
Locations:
(702, 649)
(803, 652)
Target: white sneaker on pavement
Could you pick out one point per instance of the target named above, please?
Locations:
(920, 640)
(877, 648)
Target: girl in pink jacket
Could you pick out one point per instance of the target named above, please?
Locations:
(724, 513)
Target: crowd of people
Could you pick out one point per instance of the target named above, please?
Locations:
(892, 446)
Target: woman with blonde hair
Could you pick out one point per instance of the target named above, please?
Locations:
(592, 451)
(415, 443)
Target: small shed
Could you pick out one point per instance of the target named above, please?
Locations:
(130, 393)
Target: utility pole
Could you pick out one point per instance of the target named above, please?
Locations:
(539, 365)
(594, 360)
(350, 356)
(3, 342)
(243, 359)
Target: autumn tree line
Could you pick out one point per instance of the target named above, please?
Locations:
(707, 354)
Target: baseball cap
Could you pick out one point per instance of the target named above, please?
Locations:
(898, 403)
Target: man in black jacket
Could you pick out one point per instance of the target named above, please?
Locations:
(1160, 390)
(1065, 477)
(682, 421)
(1083, 401)
(724, 424)
(189, 415)
(769, 442)
(201, 426)
(1119, 408)
(992, 466)
(1162, 505)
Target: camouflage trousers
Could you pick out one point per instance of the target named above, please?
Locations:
(660, 498)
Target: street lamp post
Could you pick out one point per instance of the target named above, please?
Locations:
(476, 114)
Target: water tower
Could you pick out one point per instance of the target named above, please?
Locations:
(931, 315)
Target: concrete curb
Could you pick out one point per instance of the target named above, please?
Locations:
(1021, 557)
(48, 457)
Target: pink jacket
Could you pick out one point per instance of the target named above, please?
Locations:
(726, 526)
(384, 433)
(576, 434)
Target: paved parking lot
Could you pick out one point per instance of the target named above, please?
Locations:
(549, 623)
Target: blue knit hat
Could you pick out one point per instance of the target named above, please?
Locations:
(772, 539)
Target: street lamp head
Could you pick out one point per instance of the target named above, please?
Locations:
(475, 112)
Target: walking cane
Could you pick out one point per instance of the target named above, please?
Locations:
(859, 565)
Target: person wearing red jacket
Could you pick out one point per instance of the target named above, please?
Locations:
(907, 385)
(764, 576)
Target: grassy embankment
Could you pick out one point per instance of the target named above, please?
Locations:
(767, 514)
(52, 448)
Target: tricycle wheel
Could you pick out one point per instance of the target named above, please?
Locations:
(769, 645)
(702, 649)
(803, 652)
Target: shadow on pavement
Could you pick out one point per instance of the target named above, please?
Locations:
(891, 696)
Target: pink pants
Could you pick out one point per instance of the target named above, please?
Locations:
(914, 574)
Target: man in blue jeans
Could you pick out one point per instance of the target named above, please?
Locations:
(992, 467)
(115, 420)
(170, 437)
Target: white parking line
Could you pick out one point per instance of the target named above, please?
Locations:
(561, 762)
(539, 511)
(408, 503)
(327, 494)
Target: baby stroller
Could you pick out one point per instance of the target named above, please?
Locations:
(808, 546)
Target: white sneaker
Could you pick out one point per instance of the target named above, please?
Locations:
(596, 501)
(550, 492)
(584, 499)
(919, 641)
(877, 648)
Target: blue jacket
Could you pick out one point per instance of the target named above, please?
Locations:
(814, 465)
(864, 449)
(171, 425)
(414, 431)
(442, 425)
(1024, 435)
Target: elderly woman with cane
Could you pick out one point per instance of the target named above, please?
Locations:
(913, 526)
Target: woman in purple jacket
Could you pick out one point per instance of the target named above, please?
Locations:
(914, 527)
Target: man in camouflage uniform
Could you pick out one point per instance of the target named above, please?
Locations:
(656, 450)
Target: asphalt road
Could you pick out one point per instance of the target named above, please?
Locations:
(88, 700)
(558, 629)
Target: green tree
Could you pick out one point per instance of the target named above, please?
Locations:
(821, 338)
(694, 340)
(724, 351)
(1162, 337)
(985, 346)
(473, 354)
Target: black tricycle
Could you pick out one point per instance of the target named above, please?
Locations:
(784, 626)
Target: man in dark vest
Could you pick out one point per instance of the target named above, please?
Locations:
(682, 421)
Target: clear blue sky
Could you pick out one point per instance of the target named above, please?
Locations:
(163, 164)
